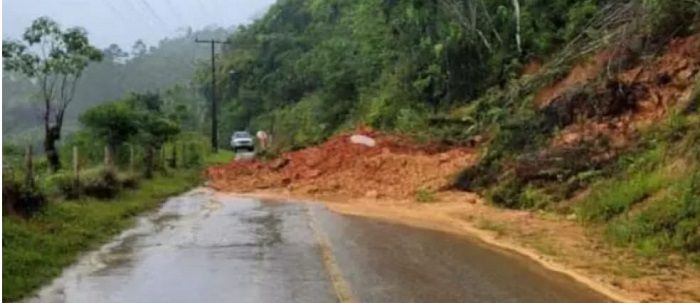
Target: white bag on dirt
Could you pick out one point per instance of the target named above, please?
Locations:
(362, 139)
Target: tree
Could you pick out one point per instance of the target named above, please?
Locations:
(153, 126)
(115, 54)
(114, 122)
(516, 14)
(55, 59)
(139, 49)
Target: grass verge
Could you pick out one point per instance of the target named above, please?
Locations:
(36, 250)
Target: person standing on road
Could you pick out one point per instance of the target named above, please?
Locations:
(263, 139)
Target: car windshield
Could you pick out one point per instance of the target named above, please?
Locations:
(239, 135)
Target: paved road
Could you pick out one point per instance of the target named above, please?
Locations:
(206, 247)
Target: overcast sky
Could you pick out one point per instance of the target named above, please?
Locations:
(125, 21)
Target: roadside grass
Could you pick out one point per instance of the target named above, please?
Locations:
(611, 198)
(669, 222)
(642, 175)
(653, 205)
(628, 270)
(544, 245)
(36, 250)
(499, 228)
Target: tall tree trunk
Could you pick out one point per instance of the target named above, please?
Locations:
(52, 135)
(516, 12)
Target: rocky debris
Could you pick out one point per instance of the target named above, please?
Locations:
(395, 167)
(364, 140)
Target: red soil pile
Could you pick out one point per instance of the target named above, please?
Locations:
(579, 75)
(669, 78)
(394, 167)
(667, 82)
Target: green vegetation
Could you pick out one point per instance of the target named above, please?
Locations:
(36, 250)
(425, 196)
(132, 153)
(669, 222)
(56, 59)
(116, 122)
(308, 69)
(499, 228)
(652, 203)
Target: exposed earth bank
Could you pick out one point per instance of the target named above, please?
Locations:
(394, 179)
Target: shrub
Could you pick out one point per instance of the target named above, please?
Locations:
(676, 126)
(643, 175)
(100, 183)
(128, 180)
(671, 221)
(19, 199)
(611, 198)
(410, 120)
(12, 154)
(193, 156)
(97, 182)
(61, 183)
(507, 193)
(532, 197)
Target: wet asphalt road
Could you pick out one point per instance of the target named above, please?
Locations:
(206, 247)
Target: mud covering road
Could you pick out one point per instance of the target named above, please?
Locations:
(209, 247)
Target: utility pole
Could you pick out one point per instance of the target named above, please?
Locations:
(214, 107)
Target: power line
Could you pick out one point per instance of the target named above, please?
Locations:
(137, 11)
(214, 122)
(176, 13)
(153, 13)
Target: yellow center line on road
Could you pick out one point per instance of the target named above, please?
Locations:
(342, 290)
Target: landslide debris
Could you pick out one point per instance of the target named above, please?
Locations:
(394, 167)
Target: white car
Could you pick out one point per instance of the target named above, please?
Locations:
(242, 140)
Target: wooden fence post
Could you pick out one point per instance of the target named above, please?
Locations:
(162, 161)
(29, 177)
(76, 171)
(108, 158)
(149, 162)
(173, 160)
(183, 155)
